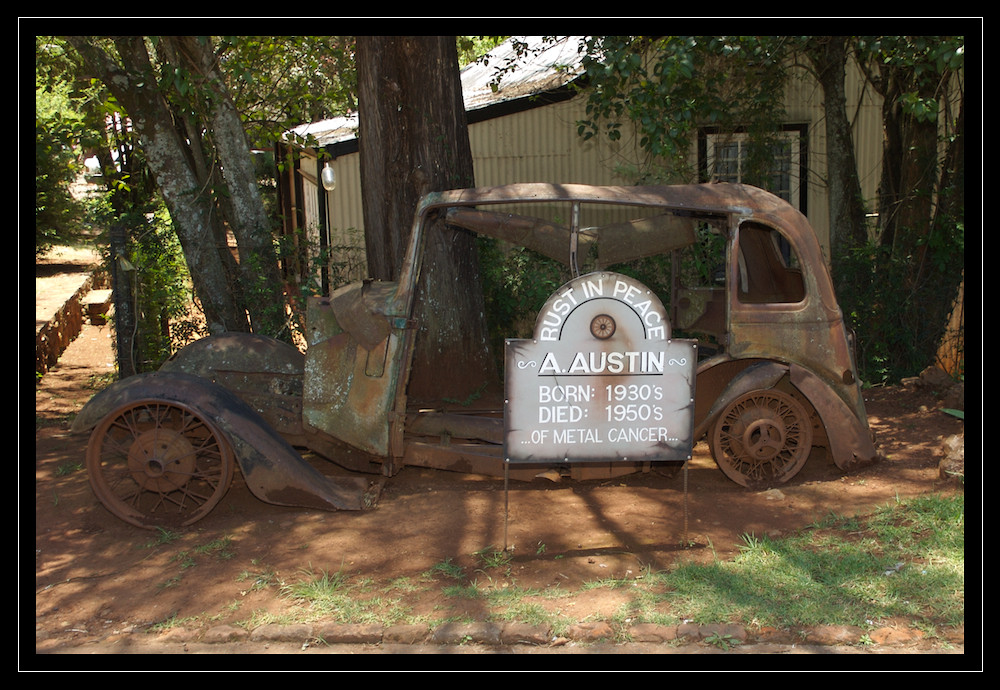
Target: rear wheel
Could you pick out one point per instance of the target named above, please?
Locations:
(156, 463)
(763, 438)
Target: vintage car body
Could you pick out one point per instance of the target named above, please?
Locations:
(775, 378)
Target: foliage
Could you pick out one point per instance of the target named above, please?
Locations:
(668, 87)
(161, 289)
(922, 63)
(472, 48)
(516, 283)
(160, 282)
(58, 127)
(170, 89)
(164, 292)
(660, 90)
(897, 292)
(898, 322)
(279, 82)
(275, 83)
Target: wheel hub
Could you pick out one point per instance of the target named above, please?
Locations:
(161, 460)
(764, 439)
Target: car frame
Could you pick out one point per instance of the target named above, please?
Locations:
(775, 378)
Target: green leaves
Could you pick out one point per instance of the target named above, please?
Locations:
(177, 79)
(666, 87)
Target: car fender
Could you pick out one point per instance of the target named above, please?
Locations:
(267, 374)
(237, 352)
(757, 376)
(851, 443)
(274, 471)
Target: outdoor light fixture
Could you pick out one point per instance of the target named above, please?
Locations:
(329, 178)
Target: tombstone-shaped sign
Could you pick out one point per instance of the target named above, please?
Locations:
(601, 380)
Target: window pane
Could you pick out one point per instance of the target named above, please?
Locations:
(727, 162)
(781, 176)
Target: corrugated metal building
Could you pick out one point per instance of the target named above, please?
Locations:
(525, 130)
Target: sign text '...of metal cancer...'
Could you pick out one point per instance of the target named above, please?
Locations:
(601, 381)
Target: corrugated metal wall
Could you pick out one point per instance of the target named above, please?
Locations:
(804, 103)
(542, 145)
(344, 215)
(537, 145)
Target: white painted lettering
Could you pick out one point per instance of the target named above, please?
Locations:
(592, 289)
(579, 365)
(598, 366)
(560, 414)
(559, 394)
(549, 364)
(653, 361)
(616, 362)
(651, 434)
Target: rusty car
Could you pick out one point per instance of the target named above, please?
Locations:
(774, 378)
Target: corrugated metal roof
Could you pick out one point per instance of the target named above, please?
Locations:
(543, 65)
(504, 75)
(326, 132)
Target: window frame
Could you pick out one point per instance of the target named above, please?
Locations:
(795, 134)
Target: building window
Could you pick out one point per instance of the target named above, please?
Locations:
(724, 157)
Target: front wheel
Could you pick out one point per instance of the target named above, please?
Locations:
(763, 438)
(156, 463)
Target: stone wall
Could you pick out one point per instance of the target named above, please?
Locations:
(52, 339)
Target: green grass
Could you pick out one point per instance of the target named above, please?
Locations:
(448, 569)
(221, 548)
(258, 578)
(68, 468)
(490, 557)
(903, 562)
(340, 598)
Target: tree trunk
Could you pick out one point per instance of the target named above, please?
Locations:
(414, 140)
(889, 194)
(909, 168)
(259, 275)
(165, 153)
(921, 211)
(125, 318)
(847, 212)
(950, 207)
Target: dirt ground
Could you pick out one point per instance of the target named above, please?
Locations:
(97, 577)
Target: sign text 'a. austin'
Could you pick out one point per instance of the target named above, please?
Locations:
(601, 380)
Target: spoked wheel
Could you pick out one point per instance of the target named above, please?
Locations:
(763, 438)
(158, 464)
